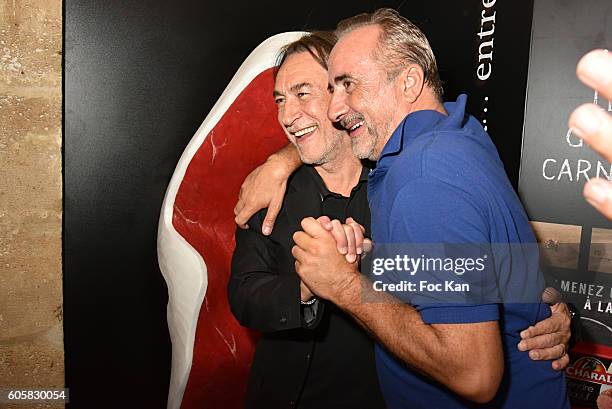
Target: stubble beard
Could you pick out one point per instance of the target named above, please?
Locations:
(330, 153)
(364, 146)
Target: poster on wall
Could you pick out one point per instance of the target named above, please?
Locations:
(575, 240)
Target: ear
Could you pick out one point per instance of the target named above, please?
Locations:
(412, 80)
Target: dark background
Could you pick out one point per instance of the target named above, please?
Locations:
(140, 77)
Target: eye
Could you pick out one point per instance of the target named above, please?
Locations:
(302, 94)
(348, 85)
(279, 100)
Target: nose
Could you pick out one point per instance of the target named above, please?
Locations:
(337, 106)
(289, 113)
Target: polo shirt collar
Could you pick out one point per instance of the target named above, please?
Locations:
(324, 191)
(417, 121)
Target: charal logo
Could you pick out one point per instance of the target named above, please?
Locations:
(589, 369)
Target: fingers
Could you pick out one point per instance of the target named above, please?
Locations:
(313, 228)
(598, 193)
(542, 346)
(593, 124)
(562, 314)
(298, 253)
(241, 216)
(547, 340)
(368, 245)
(325, 222)
(348, 237)
(301, 239)
(350, 220)
(547, 354)
(243, 226)
(551, 296)
(244, 210)
(298, 268)
(241, 221)
(351, 254)
(305, 242)
(561, 363)
(594, 70)
(339, 234)
(359, 232)
(271, 214)
(558, 324)
(544, 334)
(238, 206)
(547, 326)
(263, 188)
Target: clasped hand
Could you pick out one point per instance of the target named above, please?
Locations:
(326, 255)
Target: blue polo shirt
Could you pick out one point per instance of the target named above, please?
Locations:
(440, 180)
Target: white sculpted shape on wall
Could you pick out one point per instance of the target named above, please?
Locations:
(181, 265)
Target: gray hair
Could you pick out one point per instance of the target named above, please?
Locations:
(318, 43)
(399, 44)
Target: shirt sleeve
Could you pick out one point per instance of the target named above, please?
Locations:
(448, 230)
(260, 296)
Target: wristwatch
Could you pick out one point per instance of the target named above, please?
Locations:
(309, 302)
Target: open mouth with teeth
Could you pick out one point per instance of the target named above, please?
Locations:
(302, 133)
(353, 129)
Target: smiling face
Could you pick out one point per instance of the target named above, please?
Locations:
(302, 98)
(364, 101)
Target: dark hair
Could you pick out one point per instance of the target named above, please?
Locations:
(318, 43)
(400, 43)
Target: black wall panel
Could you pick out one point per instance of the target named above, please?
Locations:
(140, 76)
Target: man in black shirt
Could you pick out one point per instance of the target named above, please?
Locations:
(311, 354)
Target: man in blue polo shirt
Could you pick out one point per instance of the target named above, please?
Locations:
(438, 180)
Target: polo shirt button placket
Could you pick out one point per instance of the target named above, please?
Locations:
(283, 320)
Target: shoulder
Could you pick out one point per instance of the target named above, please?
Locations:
(457, 158)
(457, 147)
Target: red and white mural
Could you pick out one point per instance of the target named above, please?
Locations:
(211, 352)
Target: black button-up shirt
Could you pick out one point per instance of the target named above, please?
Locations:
(325, 364)
(336, 206)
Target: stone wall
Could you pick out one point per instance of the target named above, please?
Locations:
(31, 335)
